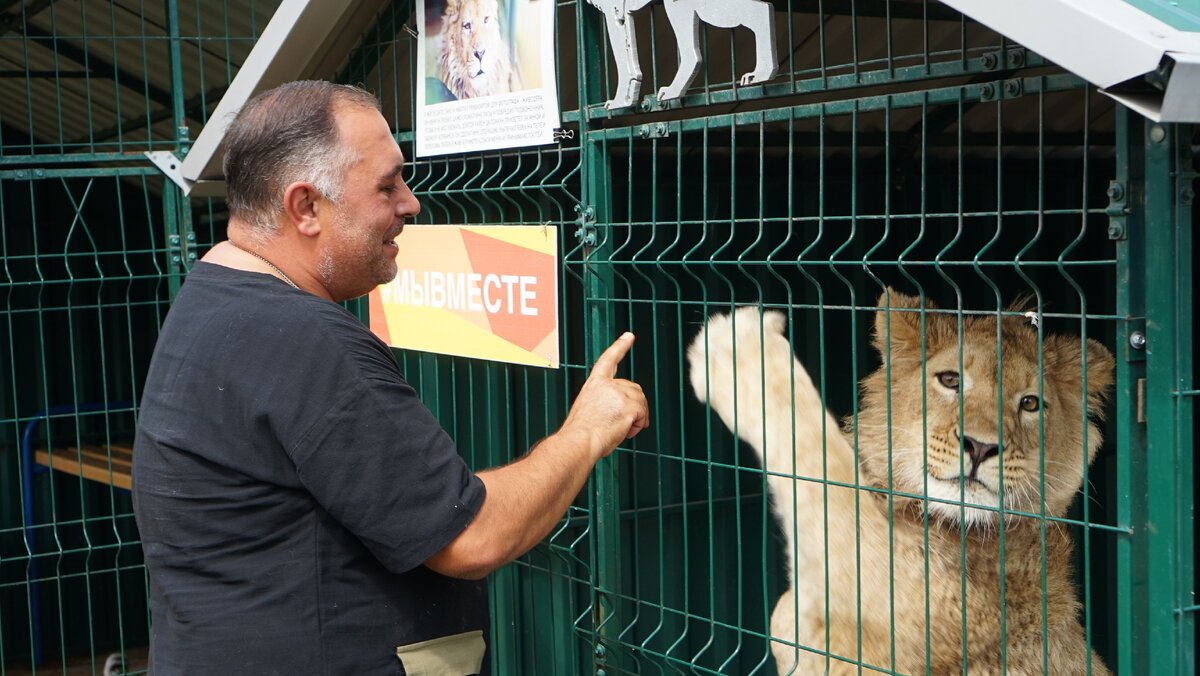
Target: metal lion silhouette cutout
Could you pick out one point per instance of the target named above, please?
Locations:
(685, 17)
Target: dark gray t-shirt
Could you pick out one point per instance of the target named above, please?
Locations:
(288, 484)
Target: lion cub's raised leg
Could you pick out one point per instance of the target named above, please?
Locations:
(742, 365)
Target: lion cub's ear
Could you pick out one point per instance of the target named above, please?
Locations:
(899, 318)
(1064, 355)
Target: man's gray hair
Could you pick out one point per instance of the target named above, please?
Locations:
(284, 135)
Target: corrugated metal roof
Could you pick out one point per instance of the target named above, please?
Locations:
(90, 76)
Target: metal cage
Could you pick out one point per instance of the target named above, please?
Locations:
(900, 146)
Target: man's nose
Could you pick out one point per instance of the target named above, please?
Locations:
(408, 205)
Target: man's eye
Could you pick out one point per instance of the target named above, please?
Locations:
(389, 189)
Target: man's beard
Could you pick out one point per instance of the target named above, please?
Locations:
(360, 260)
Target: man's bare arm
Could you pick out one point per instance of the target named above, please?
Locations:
(526, 498)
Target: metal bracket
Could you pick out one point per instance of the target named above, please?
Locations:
(1016, 58)
(1007, 59)
(177, 248)
(656, 130)
(1117, 210)
(993, 91)
(172, 166)
(651, 104)
(586, 233)
(28, 174)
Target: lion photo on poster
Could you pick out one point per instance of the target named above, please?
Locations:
(486, 75)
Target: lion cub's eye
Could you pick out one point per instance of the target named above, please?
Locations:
(1030, 403)
(949, 379)
(466, 25)
(486, 19)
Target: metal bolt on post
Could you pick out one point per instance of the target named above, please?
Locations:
(1137, 340)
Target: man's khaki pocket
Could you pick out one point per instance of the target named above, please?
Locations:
(456, 655)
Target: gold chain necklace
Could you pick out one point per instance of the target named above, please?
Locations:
(269, 264)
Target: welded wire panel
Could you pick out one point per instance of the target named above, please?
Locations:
(93, 241)
(992, 212)
(907, 178)
(976, 183)
(84, 294)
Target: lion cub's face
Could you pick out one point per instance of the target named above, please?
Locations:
(473, 35)
(967, 430)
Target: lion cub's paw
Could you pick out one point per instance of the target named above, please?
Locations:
(739, 339)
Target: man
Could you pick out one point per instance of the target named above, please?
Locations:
(301, 511)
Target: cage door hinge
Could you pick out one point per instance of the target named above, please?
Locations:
(586, 233)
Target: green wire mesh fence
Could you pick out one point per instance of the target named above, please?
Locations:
(901, 146)
(92, 243)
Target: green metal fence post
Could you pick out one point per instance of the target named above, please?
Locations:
(599, 328)
(1183, 392)
(1161, 548)
(181, 237)
(1167, 275)
(503, 583)
(1127, 227)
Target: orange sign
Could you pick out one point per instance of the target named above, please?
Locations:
(489, 292)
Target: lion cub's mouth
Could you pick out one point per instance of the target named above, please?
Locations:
(971, 487)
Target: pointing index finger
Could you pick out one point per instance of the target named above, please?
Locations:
(606, 364)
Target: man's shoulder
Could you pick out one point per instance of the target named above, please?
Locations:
(259, 299)
(261, 311)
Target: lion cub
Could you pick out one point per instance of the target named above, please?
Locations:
(871, 569)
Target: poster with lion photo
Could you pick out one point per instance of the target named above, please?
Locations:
(487, 77)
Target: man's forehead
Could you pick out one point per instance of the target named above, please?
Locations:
(368, 133)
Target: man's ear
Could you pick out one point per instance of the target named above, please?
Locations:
(300, 204)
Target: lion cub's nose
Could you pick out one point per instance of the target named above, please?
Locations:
(479, 54)
(979, 451)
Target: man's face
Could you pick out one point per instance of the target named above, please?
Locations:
(358, 251)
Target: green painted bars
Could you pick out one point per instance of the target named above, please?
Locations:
(901, 144)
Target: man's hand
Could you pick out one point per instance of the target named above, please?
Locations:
(608, 409)
(526, 498)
